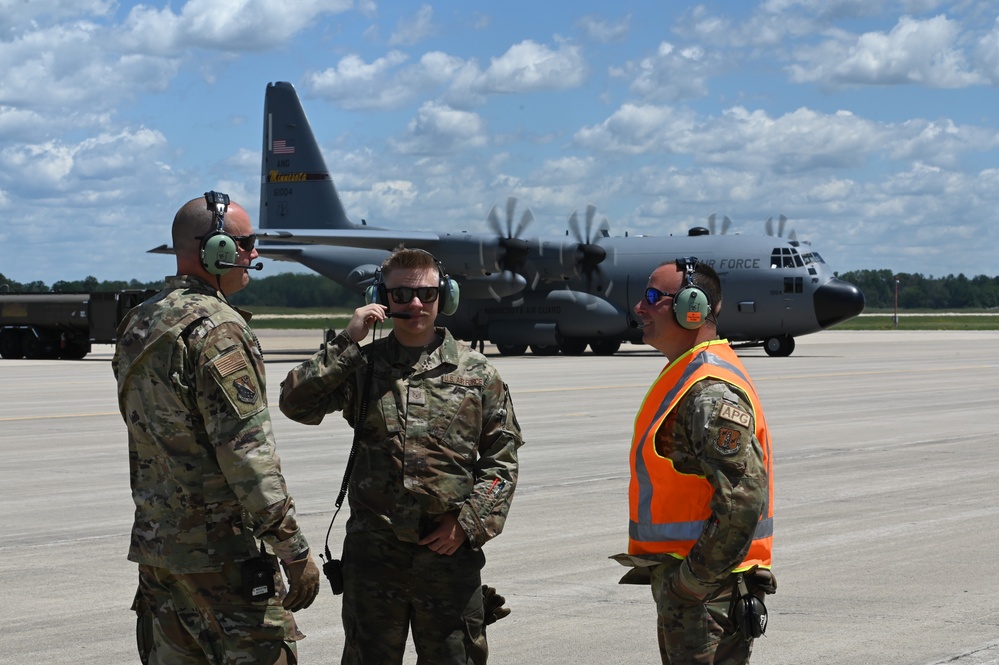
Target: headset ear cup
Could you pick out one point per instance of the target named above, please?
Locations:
(217, 247)
(750, 616)
(691, 307)
(450, 294)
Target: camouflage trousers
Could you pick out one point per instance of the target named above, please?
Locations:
(692, 633)
(202, 619)
(390, 585)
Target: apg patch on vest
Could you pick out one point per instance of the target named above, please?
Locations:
(735, 414)
(728, 441)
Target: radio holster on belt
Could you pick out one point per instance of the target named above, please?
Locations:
(749, 613)
(257, 577)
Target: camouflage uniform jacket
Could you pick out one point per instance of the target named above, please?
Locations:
(204, 472)
(688, 437)
(440, 434)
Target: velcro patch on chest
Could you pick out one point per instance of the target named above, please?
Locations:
(462, 380)
(735, 414)
(728, 441)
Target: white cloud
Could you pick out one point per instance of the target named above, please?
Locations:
(83, 169)
(17, 15)
(529, 66)
(225, 25)
(987, 54)
(801, 140)
(386, 84)
(355, 84)
(413, 30)
(670, 73)
(440, 129)
(69, 67)
(604, 31)
(914, 52)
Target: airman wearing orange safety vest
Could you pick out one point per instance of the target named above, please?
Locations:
(701, 492)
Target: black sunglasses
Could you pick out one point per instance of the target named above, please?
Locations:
(652, 296)
(402, 295)
(246, 243)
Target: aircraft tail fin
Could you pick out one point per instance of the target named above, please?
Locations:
(296, 190)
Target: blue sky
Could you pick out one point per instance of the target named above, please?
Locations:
(873, 125)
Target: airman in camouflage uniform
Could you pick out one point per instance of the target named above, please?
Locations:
(206, 480)
(710, 433)
(434, 473)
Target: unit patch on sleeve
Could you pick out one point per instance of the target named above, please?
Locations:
(245, 390)
(728, 442)
(735, 414)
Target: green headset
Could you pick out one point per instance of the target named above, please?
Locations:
(448, 290)
(218, 248)
(691, 305)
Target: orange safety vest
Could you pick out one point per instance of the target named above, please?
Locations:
(669, 508)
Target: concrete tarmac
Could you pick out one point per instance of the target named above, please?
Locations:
(887, 523)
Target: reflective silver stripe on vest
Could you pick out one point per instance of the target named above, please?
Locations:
(680, 531)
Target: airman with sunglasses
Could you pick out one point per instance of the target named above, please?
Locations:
(701, 491)
(213, 516)
(434, 474)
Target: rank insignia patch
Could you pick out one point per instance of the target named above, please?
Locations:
(728, 442)
(246, 392)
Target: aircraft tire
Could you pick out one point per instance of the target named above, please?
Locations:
(10, 345)
(544, 349)
(779, 347)
(606, 347)
(573, 346)
(511, 349)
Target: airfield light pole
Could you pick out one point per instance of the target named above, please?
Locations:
(895, 321)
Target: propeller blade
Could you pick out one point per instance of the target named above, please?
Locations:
(591, 210)
(770, 226)
(494, 222)
(574, 227)
(511, 206)
(711, 223)
(726, 223)
(783, 221)
(525, 221)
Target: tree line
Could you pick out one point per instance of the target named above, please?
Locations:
(918, 292)
(293, 290)
(309, 290)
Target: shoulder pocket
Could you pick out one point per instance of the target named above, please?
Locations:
(235, 377)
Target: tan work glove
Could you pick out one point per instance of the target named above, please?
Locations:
(303, 583)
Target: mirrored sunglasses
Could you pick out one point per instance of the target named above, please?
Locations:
(652, 296)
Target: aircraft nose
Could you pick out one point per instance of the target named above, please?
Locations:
(837, 301)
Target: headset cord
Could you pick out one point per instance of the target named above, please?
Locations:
(361, 417)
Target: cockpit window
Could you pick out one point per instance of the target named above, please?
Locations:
(788, 257)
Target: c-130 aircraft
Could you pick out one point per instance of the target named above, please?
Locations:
(549, 294)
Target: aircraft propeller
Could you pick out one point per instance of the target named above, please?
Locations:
(726, 223)
(781, 222)
(515, 248)
(589, 253)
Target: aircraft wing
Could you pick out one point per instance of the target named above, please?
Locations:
(366, 239)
